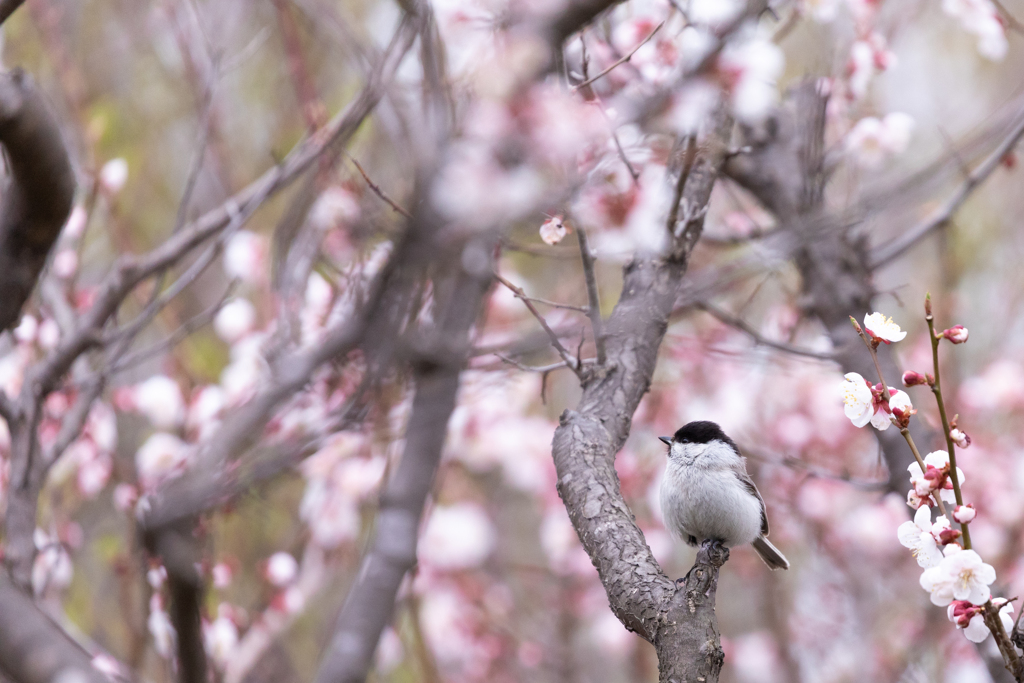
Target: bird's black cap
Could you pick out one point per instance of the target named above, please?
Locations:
(701, 431)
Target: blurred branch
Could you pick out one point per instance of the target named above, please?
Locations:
(594, 310)
(376, 189)
(886, 253)
(33, 649)
(571, 362)
(38, 196)
(742, 326)
(680, 623)
(7, 8)
(622, 60)
(392, 550)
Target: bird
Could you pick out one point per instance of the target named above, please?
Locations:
(707, 495)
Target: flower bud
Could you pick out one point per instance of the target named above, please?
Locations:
(913, 379)
(915, 500)
(947, 536)
(964, 514)
(956, 334)
(959, 437)
(927, 304)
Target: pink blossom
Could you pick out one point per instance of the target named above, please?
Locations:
(753, 65)
(220, 639)
(125, 496)
(222, 574)
(553, 230)
(65, 263)
(114, 175)
(873, 141)
(162, 456)
(281, 569)
(935, 477)
(49, 334)
(335, 206)
(980, 18)
(26, 330)
(205, 409)
(108, 666)
(159, 399)
(75, 226)
(164, 635)
(458, 536)
(246, 257)
(235, 320)
(52, 569)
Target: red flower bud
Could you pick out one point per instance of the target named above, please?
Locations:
(956, 334)
(913, 379)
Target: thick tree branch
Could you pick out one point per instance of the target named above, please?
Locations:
(7, 8)
(787, 175)
(588, 438)
(33, 649)
(37, 197)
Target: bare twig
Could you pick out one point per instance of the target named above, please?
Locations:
(594, 311)
(618, 62)
(741, 325)
(376, 189)
(536, 299)
(555, 341)
(542, 368)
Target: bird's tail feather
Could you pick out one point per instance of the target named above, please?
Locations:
(770, 554)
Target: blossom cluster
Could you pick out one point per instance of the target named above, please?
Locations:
(954, 574)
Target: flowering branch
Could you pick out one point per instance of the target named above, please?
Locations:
(937, 391)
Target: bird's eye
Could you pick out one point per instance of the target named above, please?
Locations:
(685, 441)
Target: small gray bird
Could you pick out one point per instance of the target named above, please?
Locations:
(707, 494)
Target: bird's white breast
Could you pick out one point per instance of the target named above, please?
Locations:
(708, 503)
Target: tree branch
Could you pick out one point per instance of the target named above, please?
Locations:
(38, 196)
(33, 649)
(587, 439)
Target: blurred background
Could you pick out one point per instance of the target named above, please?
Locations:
(503, 591)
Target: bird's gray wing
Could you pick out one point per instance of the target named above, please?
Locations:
(741, 474)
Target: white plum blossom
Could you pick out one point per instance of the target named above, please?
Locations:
(878, 326)
(899, 404)
(964, 514)
(114, 175)
(235, 320)
(553, 230)
(76, 222)
(159, 399)
(873, 141)
(160, 627)
(245, 257)
(162, 456)
(125, 496)
(962, 575)
(970, 619)
(221, 638)
(281, 569)
(26, 330)
(713, 13)
(980, 18)
(858, 399)
(336, 205)
(934, 477)
(918, 536)
(205, 408)
(52, 569)
(754, 65)
(49, 334)
(959, 437)
(458, 536)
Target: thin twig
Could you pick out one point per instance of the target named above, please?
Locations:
(376, 189)
(743, 326)
(555, 342)
(542, 368)
(937, 391)
(594, 312)
(554, 304)
(620, 61)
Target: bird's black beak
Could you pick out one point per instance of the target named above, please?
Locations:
(666, 439)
